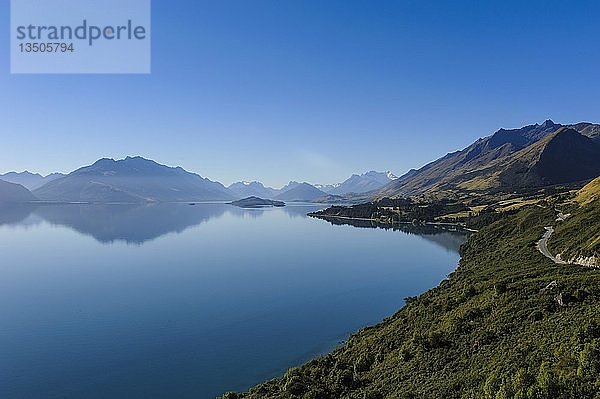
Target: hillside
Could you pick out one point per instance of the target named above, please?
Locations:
(589, 192)
(132, 180)
(11, 192)
(508, 323)
(507, 161)
(302, 192)
(562, 157)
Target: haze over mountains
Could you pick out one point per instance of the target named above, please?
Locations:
(357, 184)
(301, 192)
(252, 189)
(509, 160)
(29, 180)
(363, 183)
(11, 192)
(135, 179)
(293, 191)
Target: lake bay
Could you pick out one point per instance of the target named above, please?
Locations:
(175, 300)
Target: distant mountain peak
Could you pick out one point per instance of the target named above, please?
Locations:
(128, 159)
(300, 192)
(23, 173)
(132, 179)
(105, 159)
(548, 123)
(29, 180)
(361, 183)
(254, 188)
(139, 159)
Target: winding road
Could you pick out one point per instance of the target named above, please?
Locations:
(542, 244)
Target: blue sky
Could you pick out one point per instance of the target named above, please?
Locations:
(311, 90)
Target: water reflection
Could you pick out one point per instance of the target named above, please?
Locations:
(234, 301)
(131, 223)
(447, 237)
(14, 214)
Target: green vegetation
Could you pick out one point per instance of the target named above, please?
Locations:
(579, 235)
(398, 210)
(508, 323)
(394, 211)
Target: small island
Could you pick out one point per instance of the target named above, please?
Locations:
(256, 202)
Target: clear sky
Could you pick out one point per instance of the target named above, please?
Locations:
(311, 90)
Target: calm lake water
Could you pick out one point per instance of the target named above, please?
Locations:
(180, 301)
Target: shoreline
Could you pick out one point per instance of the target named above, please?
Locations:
(419, 223)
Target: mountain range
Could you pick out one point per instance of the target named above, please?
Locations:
(246, 189)
(29, 180)
(355, 184)
(509, 160)
(293, 191)
(136, 180)
(359, 184)
(301, 192)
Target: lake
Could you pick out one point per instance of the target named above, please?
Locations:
(182, 301)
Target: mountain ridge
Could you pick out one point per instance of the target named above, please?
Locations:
(359, 184)
(466, 169)
(245, 189)
(132, 179)
(302, 192)
(29, 180)
(505, 160)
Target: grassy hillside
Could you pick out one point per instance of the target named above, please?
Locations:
(579, 235)
(589, 193)
(508, 323)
